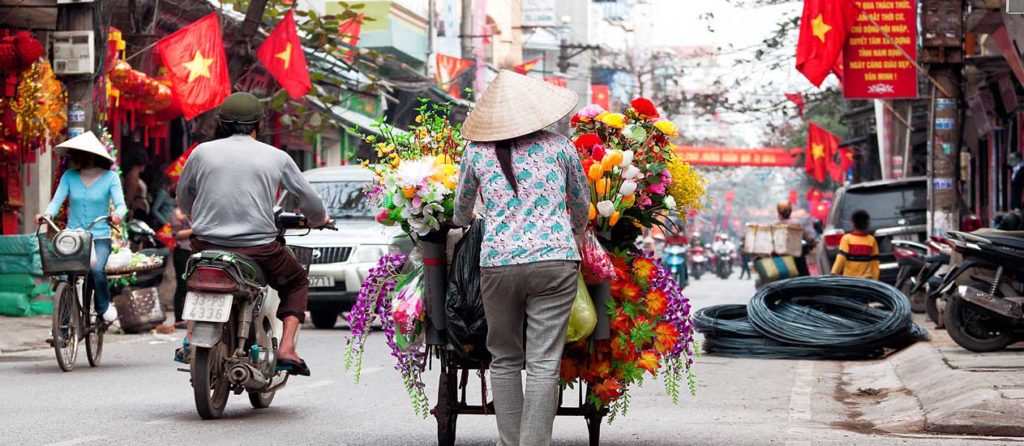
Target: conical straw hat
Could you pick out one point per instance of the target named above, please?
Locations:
(86, 142)
(515, 105)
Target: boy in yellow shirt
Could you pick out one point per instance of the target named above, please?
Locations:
(858, 250)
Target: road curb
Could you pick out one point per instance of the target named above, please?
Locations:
(956, 401)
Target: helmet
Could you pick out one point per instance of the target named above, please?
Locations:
(241, 108)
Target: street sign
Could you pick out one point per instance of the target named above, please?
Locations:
(874, 67)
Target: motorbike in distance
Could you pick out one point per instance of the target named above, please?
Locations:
(724, 257)
(698, 261)
(235, 331)
(675, 258)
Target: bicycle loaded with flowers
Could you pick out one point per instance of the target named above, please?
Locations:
(636, 181)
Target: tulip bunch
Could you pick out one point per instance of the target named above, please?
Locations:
(613, 183)
(416, 171)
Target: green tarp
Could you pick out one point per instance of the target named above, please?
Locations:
(19, 254)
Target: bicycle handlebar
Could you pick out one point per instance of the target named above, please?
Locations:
(48, 221)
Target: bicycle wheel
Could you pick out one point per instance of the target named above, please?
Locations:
(94, 328)
(66, 326)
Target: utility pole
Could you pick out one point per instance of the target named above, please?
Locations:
(71, 17)
(466, 29)
(942, 49)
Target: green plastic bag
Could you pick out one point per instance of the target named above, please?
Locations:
(14, 304)
(41, 306)
(583, 316)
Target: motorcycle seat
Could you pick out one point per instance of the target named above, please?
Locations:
(250, 269)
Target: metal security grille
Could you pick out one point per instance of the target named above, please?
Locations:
(333, 254)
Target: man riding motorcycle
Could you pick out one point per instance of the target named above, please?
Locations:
(229, 186)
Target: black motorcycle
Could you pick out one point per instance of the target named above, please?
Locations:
(983, 308)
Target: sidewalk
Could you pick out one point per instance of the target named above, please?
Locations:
(23, 333)
(938, 387)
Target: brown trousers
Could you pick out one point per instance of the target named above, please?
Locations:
(284, 273)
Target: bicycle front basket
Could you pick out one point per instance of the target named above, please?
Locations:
(69, 252)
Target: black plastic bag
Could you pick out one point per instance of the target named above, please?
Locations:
(464, 306)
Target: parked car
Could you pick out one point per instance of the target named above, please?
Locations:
(898, 211)
(342, 259)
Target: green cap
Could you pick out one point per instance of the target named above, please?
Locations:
(241, 108)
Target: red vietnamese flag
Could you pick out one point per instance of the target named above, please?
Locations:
(821, 147)
(798, 100)
(282, 54)
(448, 68)
(600, 95)
(823, 28)
(197, 65)
(526, 67)
(556, 81)
(349, 31)
(845, 159)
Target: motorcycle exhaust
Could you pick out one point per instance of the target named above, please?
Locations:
(246, 376)
(998, 305)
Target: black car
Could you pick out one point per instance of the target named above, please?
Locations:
(899, 211)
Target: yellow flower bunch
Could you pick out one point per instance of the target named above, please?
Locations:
(688, 186)
(667, 127)
(614, 120)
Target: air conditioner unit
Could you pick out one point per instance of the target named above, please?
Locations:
(74, 52)
(1015, 6)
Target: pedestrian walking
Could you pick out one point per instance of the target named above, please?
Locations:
(90, 187)
(744, 265)
(858, 250)
(181, 229)
(527, 178)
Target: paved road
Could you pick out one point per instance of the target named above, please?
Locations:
(137, 397)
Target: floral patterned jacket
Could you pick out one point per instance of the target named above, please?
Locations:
(537, 224)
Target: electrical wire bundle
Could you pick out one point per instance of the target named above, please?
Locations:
(825, 317)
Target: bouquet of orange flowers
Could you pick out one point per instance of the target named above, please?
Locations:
(651, 333)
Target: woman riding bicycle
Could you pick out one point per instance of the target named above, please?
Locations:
(90, 187)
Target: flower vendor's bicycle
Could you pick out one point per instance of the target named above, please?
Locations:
(455, 376)
(452, 400)
(65, 258)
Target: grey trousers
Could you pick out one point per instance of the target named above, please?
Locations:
(540, 296)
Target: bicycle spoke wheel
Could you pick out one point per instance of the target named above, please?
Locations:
(94, 328)
(66, 326)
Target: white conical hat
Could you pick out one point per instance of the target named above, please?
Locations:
(86, 142)
(515, 105)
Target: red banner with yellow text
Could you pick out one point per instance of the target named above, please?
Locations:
(874, 67)
(725, 156)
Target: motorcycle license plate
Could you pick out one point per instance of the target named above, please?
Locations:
(321, 282)
(207, 307)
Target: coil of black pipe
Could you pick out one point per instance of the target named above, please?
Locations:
(825, 317)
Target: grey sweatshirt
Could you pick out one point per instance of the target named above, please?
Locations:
(229, 186)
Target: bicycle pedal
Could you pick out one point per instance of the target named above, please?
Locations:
(182, 369)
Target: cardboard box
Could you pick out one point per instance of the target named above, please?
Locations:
(767, 240)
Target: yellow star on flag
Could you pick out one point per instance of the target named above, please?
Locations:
(285, 55)
(820, 28)
(199, 66)
(817, 151)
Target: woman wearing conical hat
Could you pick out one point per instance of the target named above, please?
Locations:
(90, 187)
(535, 199)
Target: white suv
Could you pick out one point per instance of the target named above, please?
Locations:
(342, 259)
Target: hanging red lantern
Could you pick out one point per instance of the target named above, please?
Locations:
(29, 48)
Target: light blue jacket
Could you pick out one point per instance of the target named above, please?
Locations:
(89, 203)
